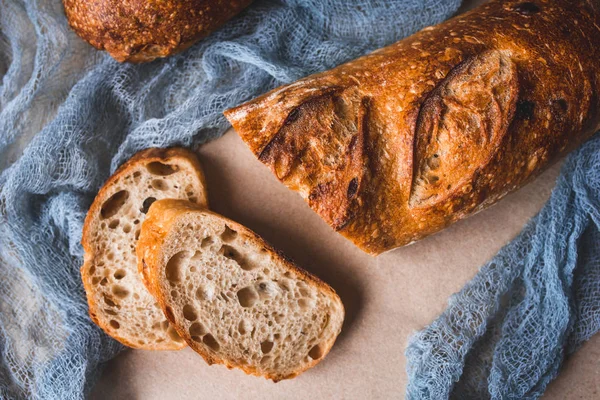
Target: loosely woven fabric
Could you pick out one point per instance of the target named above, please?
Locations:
(507, 332)
(70, 115)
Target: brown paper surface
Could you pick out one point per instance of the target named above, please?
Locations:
(387, 298)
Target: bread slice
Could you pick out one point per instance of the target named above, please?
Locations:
(232, 297)
(118, 300)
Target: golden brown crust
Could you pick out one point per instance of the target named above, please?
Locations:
(90, 226)
(162, 216)
(141, 30)
(400, 143)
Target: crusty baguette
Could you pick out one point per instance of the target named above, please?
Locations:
(399, 144)
(232, 297)
(141, 30)
(118, 300)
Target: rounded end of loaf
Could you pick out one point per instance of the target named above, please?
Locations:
(139, 31)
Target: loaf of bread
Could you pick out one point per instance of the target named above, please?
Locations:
(400, 143)
(231, 296)
(141, 30)
(118, 300)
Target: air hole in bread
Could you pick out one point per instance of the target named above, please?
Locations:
(197, 330)
(316, 352)
(247, 297)
(203, 294)
(103, 282)
(92, 269)
(114, 203)
(243, 327)
(114, 324)
(284, 286)
(231, 253)
(127, 228)
(146, 204)
(120, 274)
(110, 312)
(137, 234)
(266, 346)
(174, 294)
(211, 342)
(113, 224)
(161, 169)
(207, 242)
(120, 291)
(160, 184)
(305, 303)
(173, 334)
(173, 268)
(189, 313)
(109, 301)
(266, 290)
(228, 235)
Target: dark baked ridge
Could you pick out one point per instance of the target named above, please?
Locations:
(398, 144)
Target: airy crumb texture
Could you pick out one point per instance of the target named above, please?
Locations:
(232, 297)
(118, 300)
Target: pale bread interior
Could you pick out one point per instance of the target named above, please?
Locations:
(121, 303)
(238, 302)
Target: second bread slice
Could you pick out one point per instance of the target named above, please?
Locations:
(232, 297)
(118, 300)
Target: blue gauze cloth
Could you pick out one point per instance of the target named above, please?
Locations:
(69, 115)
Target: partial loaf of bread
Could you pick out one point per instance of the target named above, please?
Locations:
(142, 30)
(398, 144)
(118, 300)
(232, 297)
